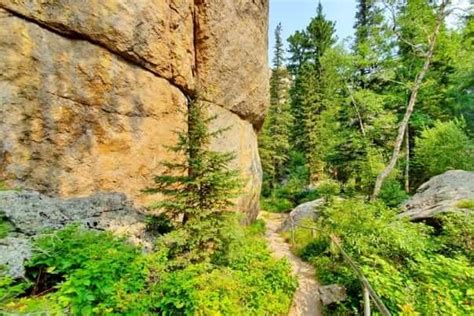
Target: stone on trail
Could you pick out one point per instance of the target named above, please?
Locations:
(302, 212)
(333, 293)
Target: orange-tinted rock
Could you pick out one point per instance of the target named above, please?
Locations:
(76, 119)
(156, 34)
(91, 91)
(231, 54)
(240, 138)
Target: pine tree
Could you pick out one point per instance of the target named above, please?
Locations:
(298, 49)
(198, 190)
(274, 138)
(364, 121)
(320, 32)
(279, 58)
(370, 45)
(314, 89)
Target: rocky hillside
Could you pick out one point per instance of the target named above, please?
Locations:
(91, 91)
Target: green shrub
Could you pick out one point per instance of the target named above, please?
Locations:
(79, 272)
(444, 147)
(9, 288)
(407, 265)
(78, 259)
(276, 205)
(158, 224)
(286, 197)
(392, 193)
(5, 227)
(307, 195)
(457, 234)
(467, 204)
(328, 188)
(290, 189)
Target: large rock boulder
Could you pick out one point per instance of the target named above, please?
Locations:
(333, 293)
(76, 119)
(302, 212)
(14, 251)
(32, 213)
(241, 139)
(157, 35)
(442, 193)
(91, 92)
(231, 56)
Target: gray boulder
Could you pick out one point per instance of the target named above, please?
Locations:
(308, 210)
(333, 293)
(440, 194)
(13, 253)
(31, 213)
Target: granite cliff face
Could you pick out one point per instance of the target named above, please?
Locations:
(91, 91)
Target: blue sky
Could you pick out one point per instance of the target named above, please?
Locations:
(295, 15)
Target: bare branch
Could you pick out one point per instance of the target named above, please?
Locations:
(354, 103)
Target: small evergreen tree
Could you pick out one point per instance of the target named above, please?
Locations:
(198, 190)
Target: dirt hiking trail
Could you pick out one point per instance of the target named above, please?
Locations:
(306, 299)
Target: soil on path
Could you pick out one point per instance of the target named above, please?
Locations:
(306, 300)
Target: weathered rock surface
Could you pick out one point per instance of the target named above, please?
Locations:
(92, 91)
(241, 139)
(32, 213)
(75, 119)
(440, 194)
(157, 35)
(14, 251)
(333, 293)
(302, 212)
(231, 56)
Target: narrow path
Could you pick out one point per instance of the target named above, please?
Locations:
(306, 299)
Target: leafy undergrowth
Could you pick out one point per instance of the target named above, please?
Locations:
(413, 268)
(94, 273)
(286, 197)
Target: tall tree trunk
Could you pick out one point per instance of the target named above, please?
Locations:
(407, 166)
(411, 103)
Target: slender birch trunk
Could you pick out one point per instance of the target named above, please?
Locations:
(407, 158)
(411, 103)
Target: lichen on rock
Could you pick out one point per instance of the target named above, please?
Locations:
(32, 214)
